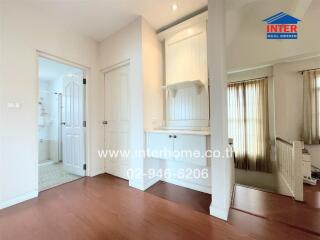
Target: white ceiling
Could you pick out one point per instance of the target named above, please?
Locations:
(51, 70)
(100, 18)
(242, 12)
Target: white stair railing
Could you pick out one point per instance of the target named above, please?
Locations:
(289, 160)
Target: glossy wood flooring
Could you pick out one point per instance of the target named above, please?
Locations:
(273, 207)
(198, 201)
(104, 207)
(255, 203)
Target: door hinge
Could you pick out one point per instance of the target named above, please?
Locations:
(84, 123)
(85, 166)
(84, 81)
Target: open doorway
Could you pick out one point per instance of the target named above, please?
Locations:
(61, 123)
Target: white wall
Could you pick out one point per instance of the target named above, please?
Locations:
(153, 77)
(289, 101)
(1, 90)
(25, 31)
(152, 73)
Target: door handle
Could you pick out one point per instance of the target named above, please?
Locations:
(174, 136)
(63, 123)
(105, 122)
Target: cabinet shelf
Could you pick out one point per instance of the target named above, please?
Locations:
(174, 87)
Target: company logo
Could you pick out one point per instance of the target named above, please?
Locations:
(282, 26)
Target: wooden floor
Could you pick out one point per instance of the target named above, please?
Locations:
(104, 207)
(192, 199)
(274, 207)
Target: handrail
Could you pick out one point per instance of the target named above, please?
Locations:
(284, 141)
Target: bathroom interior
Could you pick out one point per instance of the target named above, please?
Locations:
(50, 123)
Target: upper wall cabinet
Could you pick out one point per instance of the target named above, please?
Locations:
(186, 55)
(187, 95)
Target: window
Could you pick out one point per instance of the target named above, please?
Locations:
(248, 123)
(311, 107)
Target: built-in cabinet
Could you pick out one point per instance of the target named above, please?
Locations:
(186, 55)
(186, 72)
(186, 148)
(182, 143)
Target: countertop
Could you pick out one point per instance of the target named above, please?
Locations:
(172, 131)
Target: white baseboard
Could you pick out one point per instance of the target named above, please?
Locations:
(151, 182)
(189, 185)
(115, 170)
(219, 213)
(96, 172)
(143, 186)
(137, 185)
(19, 199)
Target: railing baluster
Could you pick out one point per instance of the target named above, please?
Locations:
(289, 163)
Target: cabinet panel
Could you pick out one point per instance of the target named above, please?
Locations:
(186, 55)
(180, 147)
(188, 107)
(160, 145)
(186, 60)
(191, 149)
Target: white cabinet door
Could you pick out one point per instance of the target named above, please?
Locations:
(191, 149)
(186, 55)
(160, 145)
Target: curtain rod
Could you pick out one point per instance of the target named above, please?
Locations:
(308, 70)
(249, 80)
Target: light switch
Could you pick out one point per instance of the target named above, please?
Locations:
(13, 105)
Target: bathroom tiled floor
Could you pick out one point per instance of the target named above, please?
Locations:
(53, 175)
(44, 162)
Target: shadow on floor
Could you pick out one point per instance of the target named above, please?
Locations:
(195, 200)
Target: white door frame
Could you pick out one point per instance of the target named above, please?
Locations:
(105, 71)
(86, 71)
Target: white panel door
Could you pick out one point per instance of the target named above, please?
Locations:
(117, 121)
(73, 147)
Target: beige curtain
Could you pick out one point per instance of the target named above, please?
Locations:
(248, 124)
(311, 98)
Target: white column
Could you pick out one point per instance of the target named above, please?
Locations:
(2, 163)
(221, 168)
